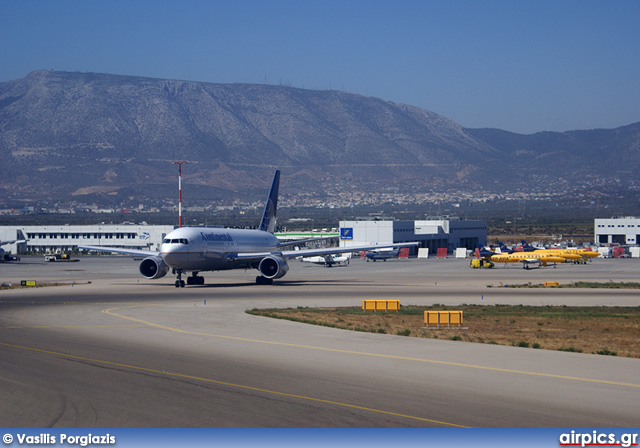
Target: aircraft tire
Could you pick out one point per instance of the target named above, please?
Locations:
(195, 280)
(260, 280)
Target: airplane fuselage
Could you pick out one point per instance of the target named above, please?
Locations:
(213, 249)
(384, 256)
(575, 253)
(328, 260)
(525, 257)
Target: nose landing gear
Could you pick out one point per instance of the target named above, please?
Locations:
(179, 282)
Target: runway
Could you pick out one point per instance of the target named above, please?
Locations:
(123, 351)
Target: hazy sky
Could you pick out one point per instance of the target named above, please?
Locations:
(522, 66)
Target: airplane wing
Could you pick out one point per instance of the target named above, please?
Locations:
(303, 241)
(21, 239)
(313, 252)
(2, 243)
(339, 250)
(121, 250)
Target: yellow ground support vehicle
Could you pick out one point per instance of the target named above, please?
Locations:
(480, 263)
(60, 257)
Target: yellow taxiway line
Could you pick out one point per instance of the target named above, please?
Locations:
(224, 383)
(110, 312)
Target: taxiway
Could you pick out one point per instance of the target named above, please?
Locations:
(122, 351)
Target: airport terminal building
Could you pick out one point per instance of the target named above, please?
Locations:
(431, 234)
(51, 239)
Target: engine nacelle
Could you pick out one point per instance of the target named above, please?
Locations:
(273, 267)
(153, 267)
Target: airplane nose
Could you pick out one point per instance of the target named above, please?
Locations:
(170, 253)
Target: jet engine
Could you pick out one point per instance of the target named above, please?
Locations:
(153, 267)
(273, 267)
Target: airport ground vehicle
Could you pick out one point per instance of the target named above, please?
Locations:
(478, 263)
(60, 258)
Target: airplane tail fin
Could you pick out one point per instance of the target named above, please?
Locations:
(21, 237)
(484, 252)
(526, 247)
(268, 222)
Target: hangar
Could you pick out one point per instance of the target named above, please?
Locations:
(432, 234)
(621, 230)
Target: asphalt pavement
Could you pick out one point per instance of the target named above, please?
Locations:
(111, 349)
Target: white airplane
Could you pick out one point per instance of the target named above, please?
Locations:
(3, 255)
(329, 260)
(198, 249)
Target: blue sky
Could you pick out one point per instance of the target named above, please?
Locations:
(522, 66)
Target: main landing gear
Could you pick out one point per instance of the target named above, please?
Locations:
(261, 280)
(195, 279)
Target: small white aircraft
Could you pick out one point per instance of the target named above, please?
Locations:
(198, 249)
(329, 260)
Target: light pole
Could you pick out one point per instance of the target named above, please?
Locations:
(179, 163)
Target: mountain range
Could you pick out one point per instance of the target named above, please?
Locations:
(93, 137)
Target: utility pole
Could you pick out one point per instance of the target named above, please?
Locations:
(179, 163)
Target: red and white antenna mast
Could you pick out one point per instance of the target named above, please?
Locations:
(179, 163)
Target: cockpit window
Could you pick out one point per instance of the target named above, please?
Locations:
(175, 241)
